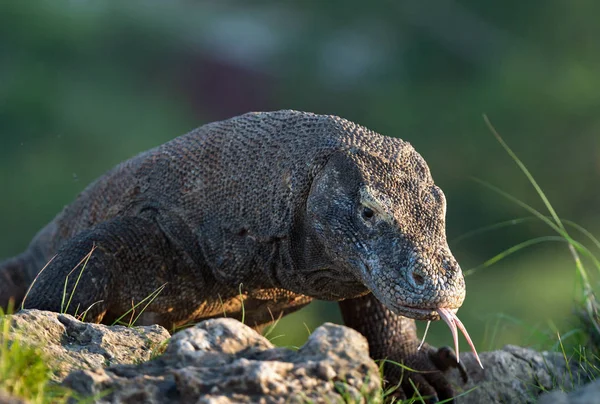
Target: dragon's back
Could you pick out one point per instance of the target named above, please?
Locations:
(247, 174)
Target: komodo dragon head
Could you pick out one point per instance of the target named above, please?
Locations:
(379, 214)
(385, 219)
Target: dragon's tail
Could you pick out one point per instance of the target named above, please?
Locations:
(15, 278)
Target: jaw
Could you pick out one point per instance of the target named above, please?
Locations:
(423, 312)
(418, 313)
(405, 304)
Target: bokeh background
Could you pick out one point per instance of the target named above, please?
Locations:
(87, 84)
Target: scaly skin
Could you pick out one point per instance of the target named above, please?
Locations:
(285, 207)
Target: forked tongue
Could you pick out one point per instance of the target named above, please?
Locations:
(452, 320)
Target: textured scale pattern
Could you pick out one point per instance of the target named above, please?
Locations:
(270, 209)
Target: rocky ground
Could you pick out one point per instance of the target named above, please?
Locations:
(224, 361)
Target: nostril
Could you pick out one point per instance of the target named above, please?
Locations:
(418, 278)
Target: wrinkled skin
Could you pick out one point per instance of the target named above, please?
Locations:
(274, 209)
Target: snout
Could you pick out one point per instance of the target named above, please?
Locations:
(442, 282)
(419, 284)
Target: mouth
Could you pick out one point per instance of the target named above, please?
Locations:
(419, 313)
(451, 319)
(444, 313)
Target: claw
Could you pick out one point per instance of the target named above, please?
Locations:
(452, 320)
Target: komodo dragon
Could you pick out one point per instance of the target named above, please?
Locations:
(277, 208)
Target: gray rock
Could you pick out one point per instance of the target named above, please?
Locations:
(224, 361)
(514, 375)
(69, 344)
(588, 394)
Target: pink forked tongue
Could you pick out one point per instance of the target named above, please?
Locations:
(452, 320)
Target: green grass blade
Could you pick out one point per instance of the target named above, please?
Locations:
(150, 297)
(34, 281)
(154, 296)
(573, 245)
(85, 261)
(222, 305)
(85, 312)
(64, 295)
(512, 250)
(274, 323)
(491, 227)
(525, 171)
(417, 392)
(522, 204)
(590, 303)
(243, 308)
(584, 231)
(517, 221)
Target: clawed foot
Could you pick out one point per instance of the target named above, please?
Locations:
(428, 380)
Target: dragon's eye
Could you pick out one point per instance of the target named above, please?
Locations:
(367, 213)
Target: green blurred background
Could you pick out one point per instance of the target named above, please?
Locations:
(87, 84)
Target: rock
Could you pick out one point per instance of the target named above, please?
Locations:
(70, 344)
(587, 394)
(513, 374)
(224, 361)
